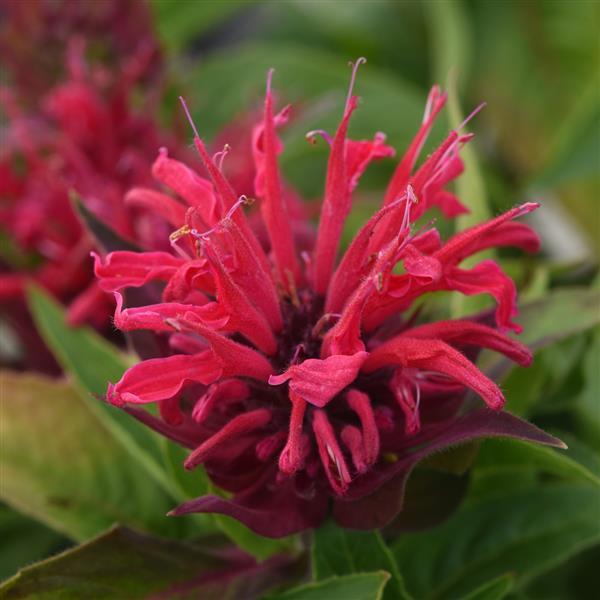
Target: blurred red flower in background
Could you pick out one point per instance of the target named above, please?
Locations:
(300, 384)
(73, 130)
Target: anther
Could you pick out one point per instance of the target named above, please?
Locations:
(311, 136)
(291, 288)
(316, 330)
(411, 199)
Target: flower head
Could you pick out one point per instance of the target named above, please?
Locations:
(300, 381)
(82, 135)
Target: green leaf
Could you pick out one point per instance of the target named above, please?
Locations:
(561, 314)
(363, 586)
(337, 551)
(24, 541)
(61, 466)
(524, 533)
(124, 564)
(180, 22)
(450, 39)
(91, 360)
(106, 238)
(587, 415)
(496, 589)
(94, 363)
(449, 32)
(511, 454)
(574, 149)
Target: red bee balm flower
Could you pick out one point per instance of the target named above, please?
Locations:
(299, 384)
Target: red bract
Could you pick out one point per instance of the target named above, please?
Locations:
(300, 385)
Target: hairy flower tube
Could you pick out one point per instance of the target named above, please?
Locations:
(302, 383)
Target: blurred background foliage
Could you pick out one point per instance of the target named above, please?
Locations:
(536, 64)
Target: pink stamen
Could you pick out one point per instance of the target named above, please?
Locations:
(189, 116)
(299, 348)
(361, 61)
(243, 199)
(475, 111)
(323, 321)
(219, 157)
(311, 135)
(411, 199)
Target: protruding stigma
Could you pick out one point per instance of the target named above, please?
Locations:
(475, 111)
(361, 61)
(189, 116)
(311, 136)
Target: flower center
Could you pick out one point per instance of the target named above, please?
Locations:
(300, 337)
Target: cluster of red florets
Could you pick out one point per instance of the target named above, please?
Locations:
(296, 382)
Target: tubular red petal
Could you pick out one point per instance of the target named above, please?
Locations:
(220, 392)
(336, 205)
(360, 403)
(354, 262)
(318, 381)
(509, 233)
(331, 455)
(157, 316)
(401, 177)
(190, 278)
(488, 278)
(360, 153)
(243, 316)
(132, 269)
(344, 337)
(292, 456)
(236, 359)
(160, 204)
(161, 378)
(195, 190)
(435, 355)
(269, 446)
(252, 278)
(461, 245)
(265, 147)
(238, 426)
(352, 439)
(471, 333)
(170, 411)
(229, 198)
(426, 269)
